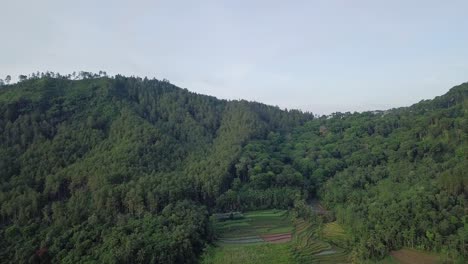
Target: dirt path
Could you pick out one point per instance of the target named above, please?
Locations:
(277, 238)
(242, 240)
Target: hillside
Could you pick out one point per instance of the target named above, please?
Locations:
(392, 178)
(105, 169)
(124, 169)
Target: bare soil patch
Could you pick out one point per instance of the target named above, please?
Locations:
(411, 256)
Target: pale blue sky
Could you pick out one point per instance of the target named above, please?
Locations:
(319, 56)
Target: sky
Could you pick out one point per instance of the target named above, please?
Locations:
(317, 56)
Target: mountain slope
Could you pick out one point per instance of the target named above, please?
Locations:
(128, 170)
(84, 163)
(394, 178)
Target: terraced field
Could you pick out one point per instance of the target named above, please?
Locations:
(272, 237)
(334, 233)
(258, 237)
(307, 248)
(255, 227)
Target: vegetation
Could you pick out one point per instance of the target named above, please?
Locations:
(120, 169)
(394, 178)
(109, 170)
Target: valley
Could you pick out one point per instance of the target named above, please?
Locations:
(122, 169)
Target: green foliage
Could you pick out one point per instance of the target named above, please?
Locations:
(135, 166)
(114, 170)
(395, 178)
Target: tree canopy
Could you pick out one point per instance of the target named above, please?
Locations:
(124, 169)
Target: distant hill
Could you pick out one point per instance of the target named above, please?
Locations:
(124, 169)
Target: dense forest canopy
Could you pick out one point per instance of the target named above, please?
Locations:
(123, 169)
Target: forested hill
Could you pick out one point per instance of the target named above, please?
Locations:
(113, 170)
(396, 178)
(107, 169)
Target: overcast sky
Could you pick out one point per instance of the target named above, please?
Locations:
(319, 56)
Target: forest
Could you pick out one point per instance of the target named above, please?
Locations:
(114, 169)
